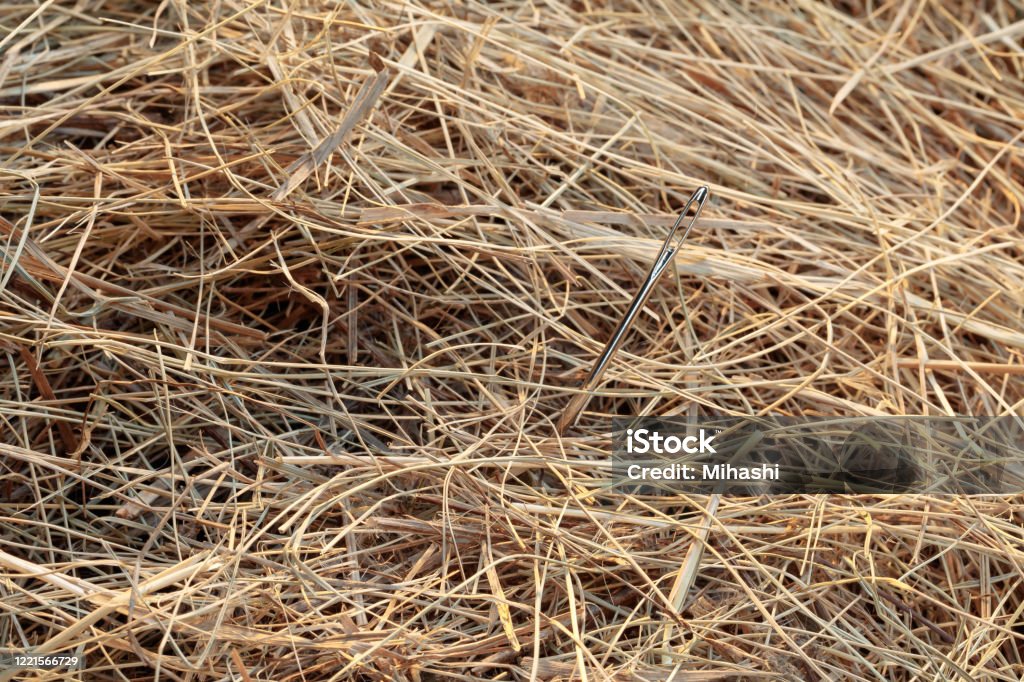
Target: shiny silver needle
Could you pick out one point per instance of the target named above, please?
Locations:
(665, 256)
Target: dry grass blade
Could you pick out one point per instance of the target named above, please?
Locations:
(302, 167)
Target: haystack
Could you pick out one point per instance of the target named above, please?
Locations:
(293, 293)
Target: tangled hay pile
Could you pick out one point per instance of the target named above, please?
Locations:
(294, 291)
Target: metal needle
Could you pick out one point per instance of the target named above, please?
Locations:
(665, 256)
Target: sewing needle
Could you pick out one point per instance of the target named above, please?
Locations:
(665, 256)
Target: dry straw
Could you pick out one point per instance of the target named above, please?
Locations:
(293, 293)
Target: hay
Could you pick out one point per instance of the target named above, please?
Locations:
(293, 294)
